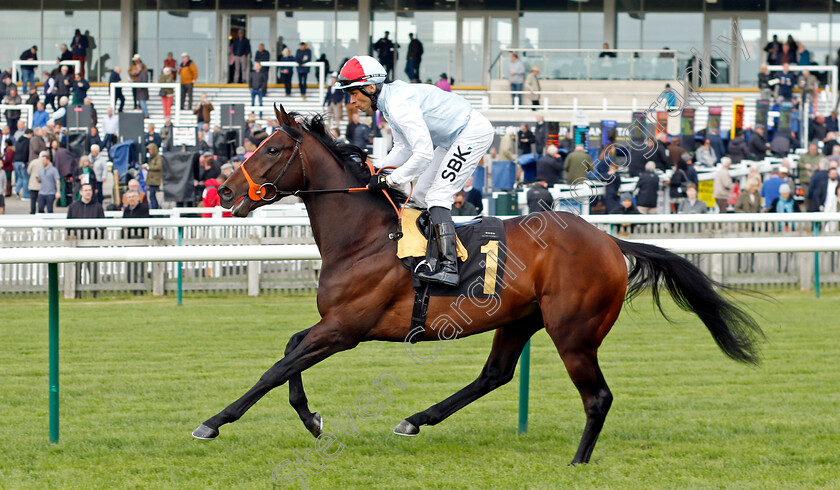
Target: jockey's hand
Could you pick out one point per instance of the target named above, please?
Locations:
(378, 181)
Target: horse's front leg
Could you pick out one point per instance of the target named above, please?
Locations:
(323, 340)
(297, 397)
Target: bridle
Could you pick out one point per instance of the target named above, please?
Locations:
(269, 192)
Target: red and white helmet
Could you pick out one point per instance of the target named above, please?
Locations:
(360, 71)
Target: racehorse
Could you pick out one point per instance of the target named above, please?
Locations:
(574, 285)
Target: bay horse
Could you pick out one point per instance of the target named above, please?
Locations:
(574, 285)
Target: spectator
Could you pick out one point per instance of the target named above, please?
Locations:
(21, 160)
(540, 135)
(385, 50)
(473, 195)
(766, 83)
(210, 195)
(40, 117)
(241, 50)
(723, 185)
(3, 183)
(151, 136)
(67, 166)
(647, 188)
(134, 185)
(189, 74)
(713, 135)
(134, 208)
(443, 83)
(757, 144)
(133, 73)
(33, 169)
(49, 184)
(49, 90)
(786, 83)
(8, 166)
(351, 127)
(770, 189)
(532, 86)
(526, 139)
(27, 72)
(258, 83)
(817, 129)
(166, 93)
(203, 110)
(64, 54)
(79, 45)
(33, 97)
(831, 121)
(262, 55)
(285, 72)
(80, 89)
(334, 101)
(85, 207)
(111, 127)
(785, 203)
(462, 207)
(738, 150)
(303, 56)
(94, 139)
(63, 82)
(780, 146)
(607, 52)
(413, 58)
(577, 165)
(675, 151)
(788, 55)
(83, 175)
(516, 76)
(825, 191)
(669, 98)
(806, 166)
(749, 201)
(538, 197)
(12, 115)
(773, 48)
(37, 143)
(99, 161)
(21, 128)
(810, 86)
(118, 93)
(691, 205)
(829, 143)
(706, 154)
(550, 166)
(171, 63)
(626, 206)
(141, 95)
(678, 183)
(362, 136)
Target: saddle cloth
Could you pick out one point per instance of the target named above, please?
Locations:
(481, 253)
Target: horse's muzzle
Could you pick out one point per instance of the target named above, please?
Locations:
(225, 196)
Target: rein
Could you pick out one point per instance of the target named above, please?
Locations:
(269, 192)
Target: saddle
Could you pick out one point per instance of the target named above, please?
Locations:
(481, 258)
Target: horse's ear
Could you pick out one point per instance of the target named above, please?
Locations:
(283, 117)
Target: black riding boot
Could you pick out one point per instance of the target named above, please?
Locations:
(446, 272)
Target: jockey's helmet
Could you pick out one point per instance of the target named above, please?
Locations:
(360, 71)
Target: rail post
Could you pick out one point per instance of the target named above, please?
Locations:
(524, 379)
(817, 263)
(180, 270)
(53, 300)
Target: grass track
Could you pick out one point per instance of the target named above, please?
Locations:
(138, 375)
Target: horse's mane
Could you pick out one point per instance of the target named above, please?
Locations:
(350, 157)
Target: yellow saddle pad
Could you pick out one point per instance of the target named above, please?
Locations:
(413, 243)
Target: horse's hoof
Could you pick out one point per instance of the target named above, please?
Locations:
(205, 433)
(316, 424)
(406, 428)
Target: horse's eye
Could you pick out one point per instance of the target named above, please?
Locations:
(273, 151)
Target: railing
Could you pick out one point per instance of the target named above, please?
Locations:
(109, 247)
(586, 64)
(27, 108)
(16, 64)
(176, 103)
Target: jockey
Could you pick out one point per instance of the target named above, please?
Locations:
(438, 141)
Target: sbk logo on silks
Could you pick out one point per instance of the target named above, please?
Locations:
(455, 164)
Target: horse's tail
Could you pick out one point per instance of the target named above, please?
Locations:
(734, 330)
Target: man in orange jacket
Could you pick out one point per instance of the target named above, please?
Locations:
(188, 73)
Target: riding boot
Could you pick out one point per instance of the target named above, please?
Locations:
(446, 272)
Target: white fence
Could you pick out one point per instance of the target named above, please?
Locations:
(176, 102)
(16, 64)
(270, 254)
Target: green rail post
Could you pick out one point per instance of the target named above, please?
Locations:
(817, 263)
(524, 375)
(53, 293)
(180, 271)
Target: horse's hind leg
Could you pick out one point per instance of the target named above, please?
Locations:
(297, 397)
(498, 370)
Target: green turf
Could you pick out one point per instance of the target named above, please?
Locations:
(138, 375)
